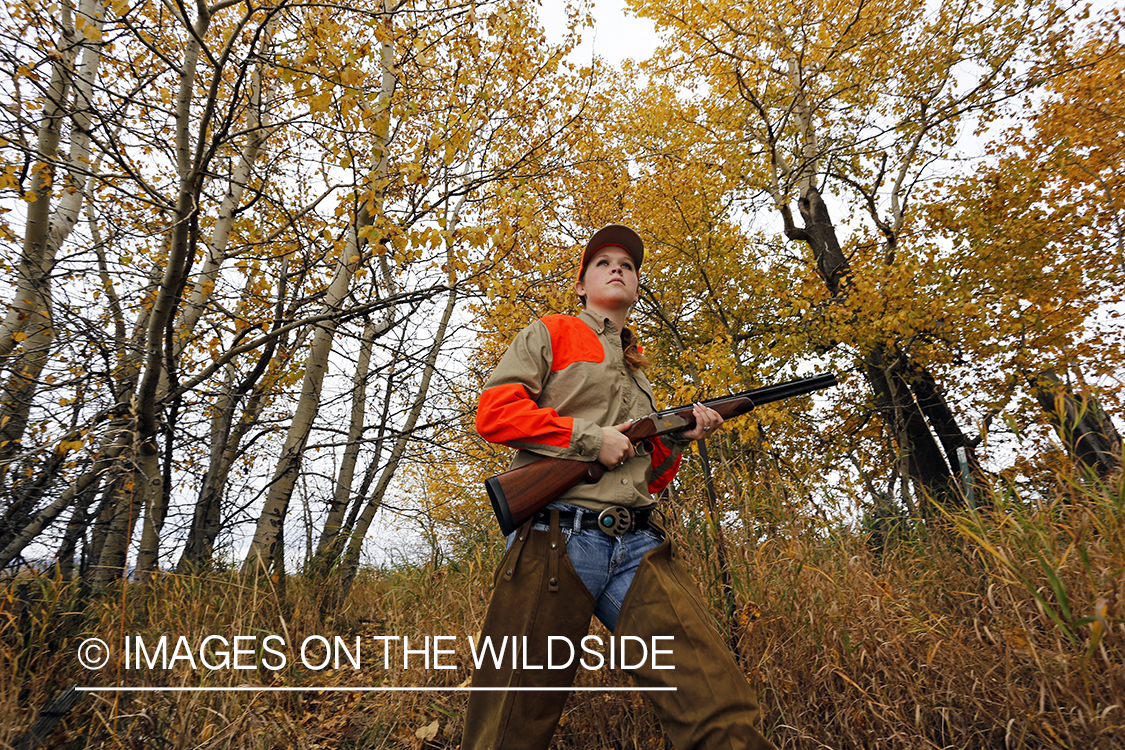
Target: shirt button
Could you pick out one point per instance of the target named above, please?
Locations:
(624, 480)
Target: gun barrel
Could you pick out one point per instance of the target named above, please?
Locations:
(769, 394)
(793, 388)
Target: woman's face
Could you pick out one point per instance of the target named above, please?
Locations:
(611, 281)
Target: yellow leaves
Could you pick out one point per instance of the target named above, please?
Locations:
(286, 72)
(23, 71)
(367, 233)
(321, 101)
(414, 173)
(431, 237)
(351, 76)
(1098, 627)
(476, 236)
(450, 154)
(70, 445)
(87, 29)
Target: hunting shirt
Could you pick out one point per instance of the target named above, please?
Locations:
(561, 380)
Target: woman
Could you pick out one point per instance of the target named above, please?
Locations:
(567, 387)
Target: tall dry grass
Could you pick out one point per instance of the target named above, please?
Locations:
(1000, 629)
(997, 629)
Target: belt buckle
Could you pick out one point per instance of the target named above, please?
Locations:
(615, 521)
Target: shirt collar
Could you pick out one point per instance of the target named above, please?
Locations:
(597, 322)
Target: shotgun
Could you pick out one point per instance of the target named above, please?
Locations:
(518, 494)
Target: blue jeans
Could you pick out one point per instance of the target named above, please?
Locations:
(605, 564)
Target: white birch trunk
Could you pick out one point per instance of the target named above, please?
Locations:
(28, 320)
(265, 554)
(204, 284)
(346, 475)
(350, 563)
(147, 478)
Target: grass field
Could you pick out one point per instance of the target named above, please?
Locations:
(997, 629)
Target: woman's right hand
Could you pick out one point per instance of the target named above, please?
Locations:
(616, 448)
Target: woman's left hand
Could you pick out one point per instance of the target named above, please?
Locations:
(707, 420)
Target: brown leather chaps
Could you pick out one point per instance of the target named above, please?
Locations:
(538, 594)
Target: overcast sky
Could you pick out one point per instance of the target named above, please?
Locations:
(615, 37)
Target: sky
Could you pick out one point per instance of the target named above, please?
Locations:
(616, 36)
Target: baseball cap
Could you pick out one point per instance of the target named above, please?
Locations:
(614, 234)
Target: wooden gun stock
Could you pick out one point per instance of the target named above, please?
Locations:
(518, 494)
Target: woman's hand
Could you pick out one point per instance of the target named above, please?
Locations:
(707, 420)
(616, 448)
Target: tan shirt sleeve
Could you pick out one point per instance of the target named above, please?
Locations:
(509, 410)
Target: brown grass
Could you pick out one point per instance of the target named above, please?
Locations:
(1002, 629)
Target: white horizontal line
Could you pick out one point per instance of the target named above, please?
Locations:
(268, 689)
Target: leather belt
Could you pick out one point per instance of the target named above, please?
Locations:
(613, 521)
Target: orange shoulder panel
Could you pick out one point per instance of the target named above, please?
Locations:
(572, 341)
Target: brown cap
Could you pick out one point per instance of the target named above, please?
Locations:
(613, 234)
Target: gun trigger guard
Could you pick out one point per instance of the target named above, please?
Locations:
(643, 448)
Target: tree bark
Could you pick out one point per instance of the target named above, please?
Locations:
(919, 456)
(28, 322)
(163, 348)
(890, 374)
(350, 563)
(1086, 431)
(265, 553)
(327, 547)
(204, 282)
(146, 484)
(205, 520)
